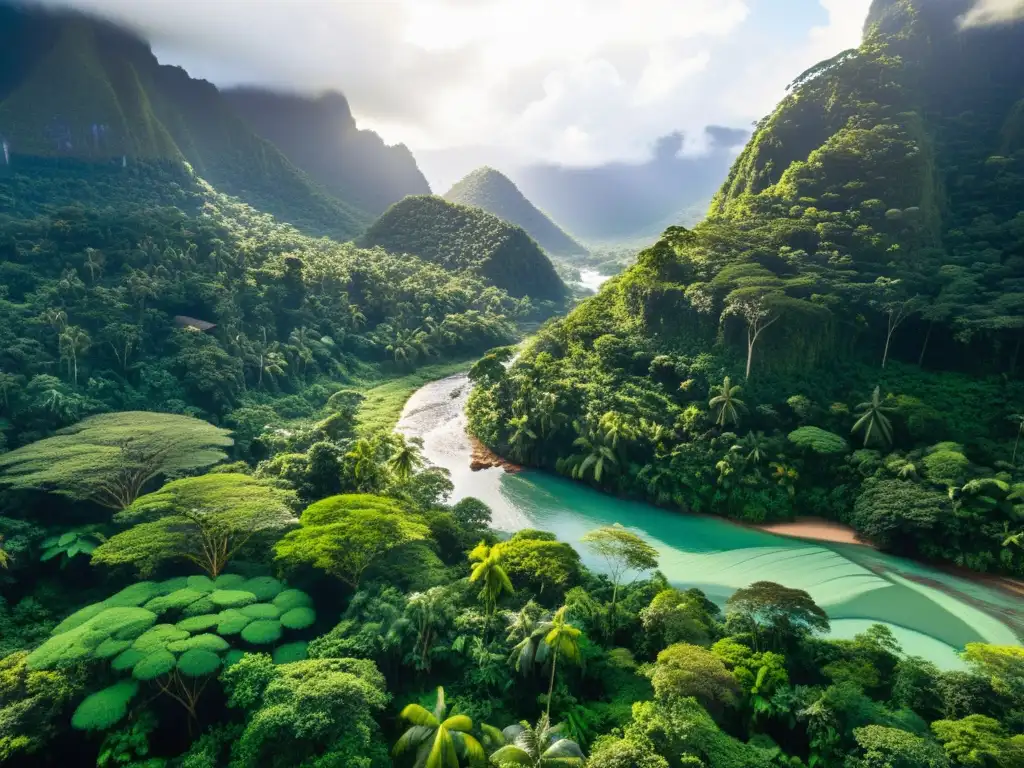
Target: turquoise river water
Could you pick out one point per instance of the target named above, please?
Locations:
(931, 612)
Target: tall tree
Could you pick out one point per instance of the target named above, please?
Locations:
(111, 458)
(622, 552)
(73, 342)
(488, 572)
(438, 742)
(564, 640)
(345, 535)
(205, 520)
(758, 312)
(782, 612)
(405, 457)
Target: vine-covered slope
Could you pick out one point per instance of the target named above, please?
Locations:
(460, 237)
(870, 235)
(76, 88)
(494, 192)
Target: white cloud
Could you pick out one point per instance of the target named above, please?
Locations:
(571, 81)
(987, 12)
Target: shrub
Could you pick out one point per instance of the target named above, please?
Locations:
(298, 618)
(263, 587)
(155, 664)
(231, 598)
(262, 611)
(292, 598)
(289, 652)
(104, 708)
(197, 662)
(262, 632)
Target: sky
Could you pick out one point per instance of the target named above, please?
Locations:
(574, 82)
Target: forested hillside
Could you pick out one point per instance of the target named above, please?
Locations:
(488, 189)
(319, 135)
(459, 237)
(74, 88)
(144, 288)
(841, 336)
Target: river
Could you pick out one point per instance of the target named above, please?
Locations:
(932, 613)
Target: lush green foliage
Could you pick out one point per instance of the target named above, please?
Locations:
(458, 237)
(495, 193)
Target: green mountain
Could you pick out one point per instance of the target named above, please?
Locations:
(74, 88)
(841, 336)
(319, 135)
(460, 237)
(493, 191)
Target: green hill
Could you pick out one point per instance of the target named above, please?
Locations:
(493, 191)
(870, 235)
(75, 88)
(460, 237)
(320, 136)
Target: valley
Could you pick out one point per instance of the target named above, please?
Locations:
(745, 406)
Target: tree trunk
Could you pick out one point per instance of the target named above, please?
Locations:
(1013, 459)
(885, 354)
(551, 684)
(750, 356)
(1013, 360)
(924, 347)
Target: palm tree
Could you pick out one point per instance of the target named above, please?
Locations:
(406, 458)
(489, 572)
(1018, 419)
(364, 457)
(527, 630)
(728, 402)
(539, 746)
(597, 456)
(73, 341)
(356, 317)
(753, 447)
(873, 420)
(521, 438)
(428, 613)
(300, 343)
(615, 428)
(93, 262)
(564, 640)
(549, 415)
(439, 742)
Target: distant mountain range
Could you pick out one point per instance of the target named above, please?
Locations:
(492, 191)
(624, 201)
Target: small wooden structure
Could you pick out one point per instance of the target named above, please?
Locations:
(192, 324)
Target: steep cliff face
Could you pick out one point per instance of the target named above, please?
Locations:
(80, 89)
(495, 193)
(320, 136)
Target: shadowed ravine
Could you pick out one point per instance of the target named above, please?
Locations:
(932, 613)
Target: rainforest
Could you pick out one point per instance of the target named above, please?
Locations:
(247, 361)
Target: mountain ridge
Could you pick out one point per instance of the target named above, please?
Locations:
(495, 193)
(320, 136)
(85, 89)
